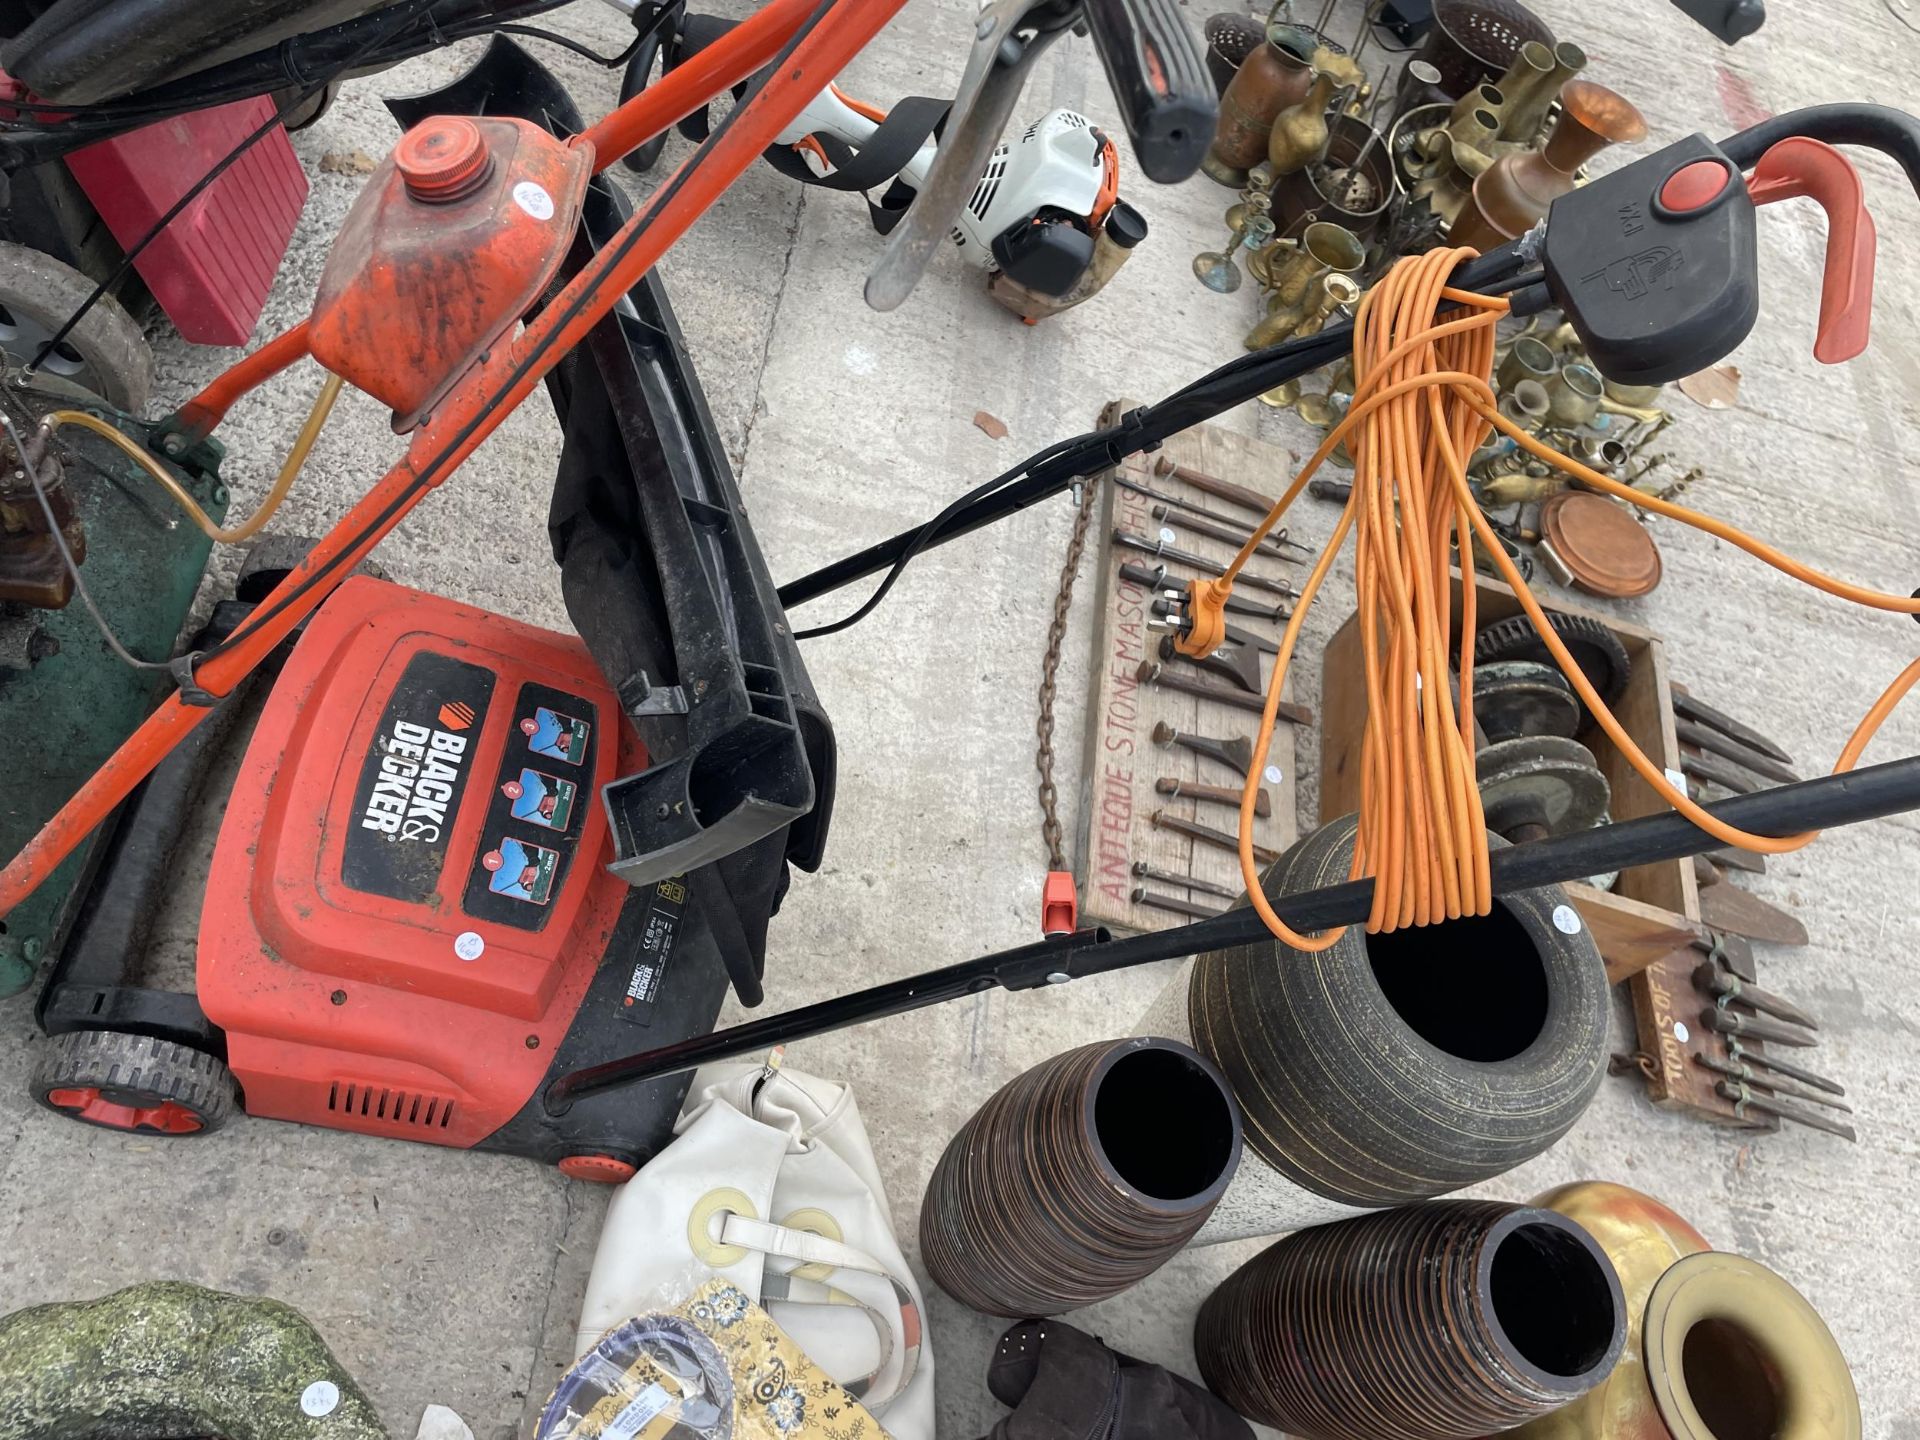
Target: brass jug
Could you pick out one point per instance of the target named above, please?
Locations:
(1272, 77)
(1291, 271)
(1717, 1346)
(1515, 191)
(1300, 131)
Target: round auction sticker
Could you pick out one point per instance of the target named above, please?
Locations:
(533, 199)
(468, 945)
(320, 1398)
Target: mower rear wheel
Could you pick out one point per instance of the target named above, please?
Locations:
(134, 1083)
(105, 353)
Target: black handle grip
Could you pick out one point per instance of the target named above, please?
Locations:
(1166, 97)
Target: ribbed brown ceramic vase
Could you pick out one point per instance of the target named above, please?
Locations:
(1444, 1321)
(1515, 191)
(1079, 1178)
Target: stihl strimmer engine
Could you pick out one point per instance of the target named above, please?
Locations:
(1044, 218)
(1046, 221)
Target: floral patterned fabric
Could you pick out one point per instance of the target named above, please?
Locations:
(715, 1368)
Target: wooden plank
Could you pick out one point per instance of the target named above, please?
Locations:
(1121, 761)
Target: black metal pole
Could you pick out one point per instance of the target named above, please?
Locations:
(1859, 795)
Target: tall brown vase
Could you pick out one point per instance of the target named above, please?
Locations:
(1515, 191)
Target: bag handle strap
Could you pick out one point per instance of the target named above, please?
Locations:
(786, 1243)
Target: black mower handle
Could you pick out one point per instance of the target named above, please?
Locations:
(1166, 97)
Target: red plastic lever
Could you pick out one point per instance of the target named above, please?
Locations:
(1802, 166)
(1059, 905)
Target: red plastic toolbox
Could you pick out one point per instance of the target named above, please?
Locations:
(212, 267)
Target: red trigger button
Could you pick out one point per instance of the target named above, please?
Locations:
(1695, 186)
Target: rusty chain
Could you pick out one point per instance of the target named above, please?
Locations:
(1050, 830)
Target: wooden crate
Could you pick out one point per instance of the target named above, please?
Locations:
(1653, 911)
(1121, 761)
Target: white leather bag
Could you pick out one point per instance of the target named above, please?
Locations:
(770, 1184)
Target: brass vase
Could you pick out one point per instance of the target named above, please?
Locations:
(1515, 191)
(1521, 121)
(1300, 131)
(1270, 79)
(1717, 1345)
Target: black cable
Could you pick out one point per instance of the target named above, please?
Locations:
(610, 62)
(406, 14)
(929, 530)
(32, 472)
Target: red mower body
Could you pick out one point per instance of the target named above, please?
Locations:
(409, 898)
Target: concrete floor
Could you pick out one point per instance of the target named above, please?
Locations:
(448, 1277)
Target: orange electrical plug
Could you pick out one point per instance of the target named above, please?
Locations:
(1206, 617)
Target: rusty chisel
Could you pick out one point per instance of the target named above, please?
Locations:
(1720, 771)
(1236, 662)
(1274, 537)
(1214, 530)
(1714, 982)
(1236, 754)
(1194, 830)
(1688, 707)
(1188, 882)
(1755, 1027)
(1735, 911)
(1161, 550)
(1192, 908)
(1152, 672)
(1171, 609)
(1734, 858)
(1218, 794)
(1213, 485)
(1743, 1098)
(1157, 580)
(1743, 1056)
(1784, 1088)
(1692, 732)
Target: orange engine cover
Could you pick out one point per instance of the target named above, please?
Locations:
(450, 244)
(409, 895)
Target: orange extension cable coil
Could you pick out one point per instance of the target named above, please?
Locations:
(1423, 403)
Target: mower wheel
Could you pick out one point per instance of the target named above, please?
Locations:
(105, 353)
(134, 1082)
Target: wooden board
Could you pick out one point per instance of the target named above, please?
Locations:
(1121, 760)
(1653, 911)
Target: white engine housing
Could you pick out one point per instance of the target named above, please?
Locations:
(1059, 162)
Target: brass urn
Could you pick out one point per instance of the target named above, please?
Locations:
(1718, 1346)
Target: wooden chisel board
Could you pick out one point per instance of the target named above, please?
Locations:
(1122, 762)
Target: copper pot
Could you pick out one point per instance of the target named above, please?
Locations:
(1717, 1346)
(1514, 193)
(1275, 75)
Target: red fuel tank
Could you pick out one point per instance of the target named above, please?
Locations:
(450, 244)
